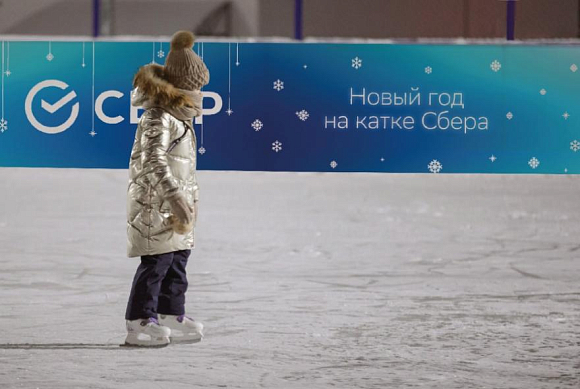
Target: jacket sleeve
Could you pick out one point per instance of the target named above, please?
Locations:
(195, 185)
(155, 140)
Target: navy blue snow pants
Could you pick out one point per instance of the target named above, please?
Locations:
(159, 286)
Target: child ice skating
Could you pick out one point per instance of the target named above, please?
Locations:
(163, 195)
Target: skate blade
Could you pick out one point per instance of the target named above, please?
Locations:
(132, 345)
(185, 340)
(144, 344)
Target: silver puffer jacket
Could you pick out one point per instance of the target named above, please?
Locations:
(163, 162)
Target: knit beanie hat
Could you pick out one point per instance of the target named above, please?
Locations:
(183, 68)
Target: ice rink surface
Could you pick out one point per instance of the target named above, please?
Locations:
(303, 280)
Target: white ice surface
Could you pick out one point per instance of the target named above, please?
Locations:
(303, 281)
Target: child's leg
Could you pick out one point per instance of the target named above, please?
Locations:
(143, 299)
(174, 286)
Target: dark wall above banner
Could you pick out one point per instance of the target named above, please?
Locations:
(306, 106)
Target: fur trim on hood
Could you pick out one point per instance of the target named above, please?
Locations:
(152, 84)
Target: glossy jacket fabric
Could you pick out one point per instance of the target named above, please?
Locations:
(163, 163)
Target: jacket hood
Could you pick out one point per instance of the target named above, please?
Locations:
(152, 86)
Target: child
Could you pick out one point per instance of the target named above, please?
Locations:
(163, 194)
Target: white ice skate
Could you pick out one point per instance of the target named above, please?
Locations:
(146, 333)
(183, 328)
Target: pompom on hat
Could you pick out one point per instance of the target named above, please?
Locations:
(183, 68)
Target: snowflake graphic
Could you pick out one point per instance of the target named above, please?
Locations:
(3, 125)
(161, 53)
(543, 92)
(509, 115)
(278, 85)
(428, 70)
(229, 111)
(566, 115)
(93, 133)
(257, 125)
(8, 73)
(493, 158)
(277, 146)
(574, 145)
(201, 150)
(49, 57)
(534, 163)
(435, 166)
(303, 115)
(495, 66)
(356, 63)
(333, 164)
(574, 68)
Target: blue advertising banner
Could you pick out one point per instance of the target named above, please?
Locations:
(306, 106)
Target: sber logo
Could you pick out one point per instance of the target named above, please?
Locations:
(60, 109)
(52, 107)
